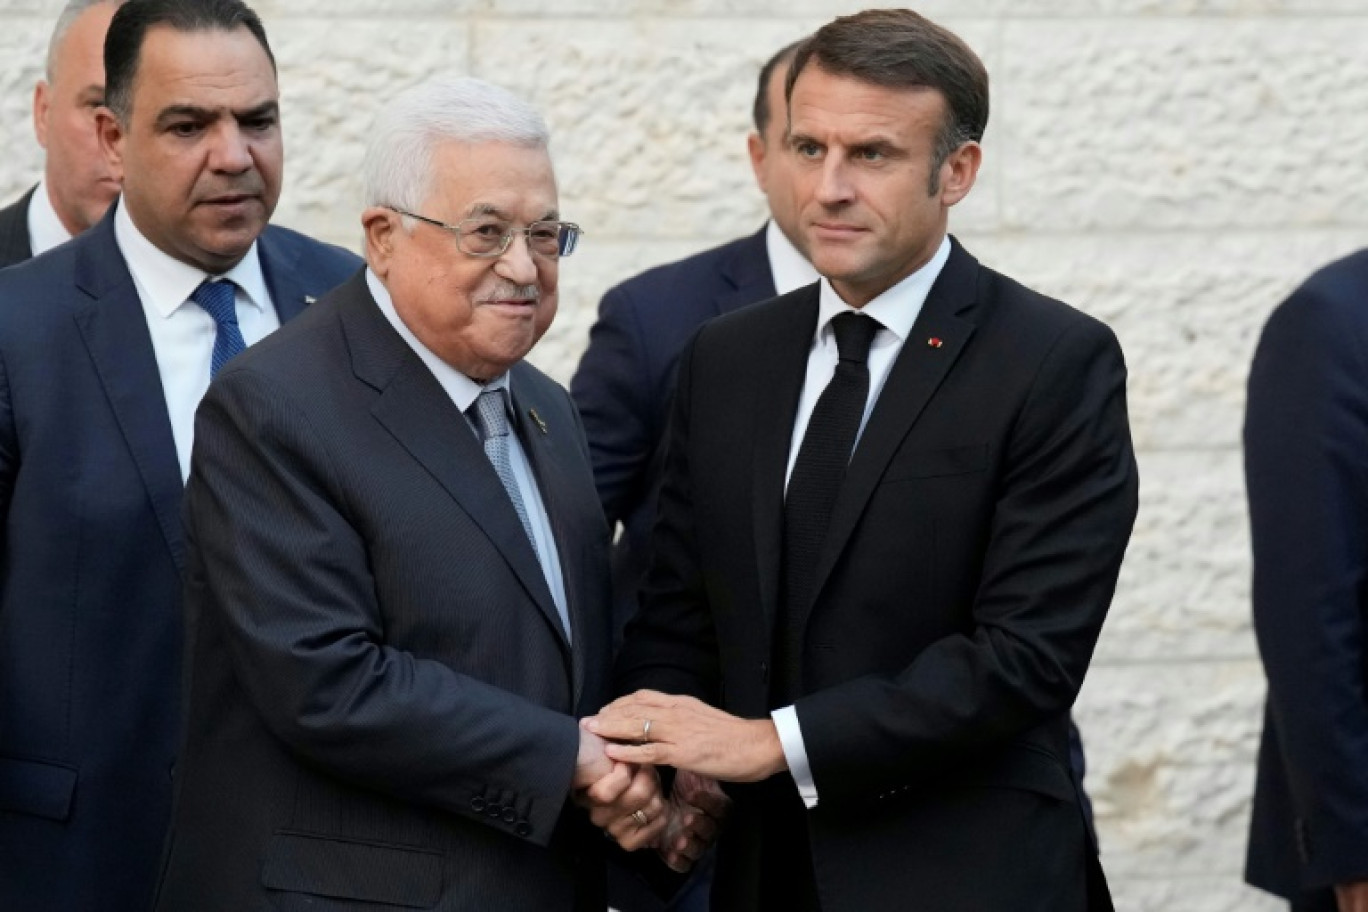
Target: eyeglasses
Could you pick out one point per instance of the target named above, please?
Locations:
(485, 236)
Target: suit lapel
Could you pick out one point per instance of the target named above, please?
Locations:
(543, 443)
(279, 266)
(914, 379)
(747, 272)
(417, 412)
(779, 383)
(114, 328)
(15, 244)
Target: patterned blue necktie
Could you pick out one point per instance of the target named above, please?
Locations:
(492, 417)
(219, 299)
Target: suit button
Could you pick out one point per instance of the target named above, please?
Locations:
(509, 816)
(523, 829)
(764, 672)
(495, 810)
(477, 804)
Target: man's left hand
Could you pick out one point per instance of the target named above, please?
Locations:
(689, 735)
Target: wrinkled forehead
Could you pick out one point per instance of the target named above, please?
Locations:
(515, 183)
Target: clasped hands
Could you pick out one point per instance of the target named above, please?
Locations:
(617, 781)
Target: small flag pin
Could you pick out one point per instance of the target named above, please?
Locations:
(532, 413)
(934, 342)
(310, 299)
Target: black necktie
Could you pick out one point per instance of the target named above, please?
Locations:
(813, 486)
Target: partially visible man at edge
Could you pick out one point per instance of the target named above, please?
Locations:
(107, 344)
(77, 185)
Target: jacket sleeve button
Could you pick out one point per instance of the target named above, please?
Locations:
(477, 804)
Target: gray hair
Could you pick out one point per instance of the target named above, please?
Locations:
(70, 13)
(397, 170)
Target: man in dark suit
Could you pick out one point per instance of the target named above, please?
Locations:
(77, 185)
(894, 510)
(1306, 452)
(626, 376)
(398, 586)
(105, 349)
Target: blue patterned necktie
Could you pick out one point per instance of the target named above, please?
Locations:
(219, 299)
(492, 418)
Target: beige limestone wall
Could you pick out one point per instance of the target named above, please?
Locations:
(1172, 166)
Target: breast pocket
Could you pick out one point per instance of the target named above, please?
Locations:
(938, 463)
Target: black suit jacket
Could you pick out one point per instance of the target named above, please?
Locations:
(90, 571)
(382, 701)
(970, 560)
(626, 377)
(1306, 464)
(14, 233)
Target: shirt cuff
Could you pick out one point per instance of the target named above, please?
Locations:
(795, 752)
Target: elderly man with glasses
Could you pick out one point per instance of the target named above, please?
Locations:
(398, 598)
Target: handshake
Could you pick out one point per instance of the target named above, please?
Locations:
(616, 779)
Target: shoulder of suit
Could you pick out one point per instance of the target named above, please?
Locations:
(687, 278)
(323, 252)
(1333, 295)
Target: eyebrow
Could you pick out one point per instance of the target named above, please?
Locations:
(479, 209)
(195, 112)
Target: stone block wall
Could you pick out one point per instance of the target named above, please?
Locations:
(1173, 166)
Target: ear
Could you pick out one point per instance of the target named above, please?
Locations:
(110, 134)
(381, 228)
(959, 173)
(42, 101)
(756, 147)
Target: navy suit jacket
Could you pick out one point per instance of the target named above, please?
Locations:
(1306, 465)
(91, 558)
(626, 377)
(15, 246)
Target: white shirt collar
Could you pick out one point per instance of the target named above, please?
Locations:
(462, 390)
(789, 268)
(44, 225)
(168, 281)
(897, 308)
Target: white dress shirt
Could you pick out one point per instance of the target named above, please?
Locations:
(182, 332)
(897, 309)
(463, 392)
(789, 268)
(45, 226)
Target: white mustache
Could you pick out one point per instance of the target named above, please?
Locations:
(513, 293)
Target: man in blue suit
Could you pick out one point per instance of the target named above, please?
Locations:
(1306, 466)
(107, 344)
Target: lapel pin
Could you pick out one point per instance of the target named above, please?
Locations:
(532, 413)
(934, 342)
(309, 299)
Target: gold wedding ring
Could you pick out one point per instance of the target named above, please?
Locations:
(640, 818)
(646, 732)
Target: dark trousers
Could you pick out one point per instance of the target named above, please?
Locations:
(1323, 901)
(787, 880)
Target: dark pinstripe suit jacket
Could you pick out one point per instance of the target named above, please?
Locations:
(381, 700)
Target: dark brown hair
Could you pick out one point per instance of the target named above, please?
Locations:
(900, 49)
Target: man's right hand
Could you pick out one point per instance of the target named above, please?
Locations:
(1352, 897)
(618, 795)
(698, 808)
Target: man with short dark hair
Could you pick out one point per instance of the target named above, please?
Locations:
(77, 185)
(894, 510)
(106, 346)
